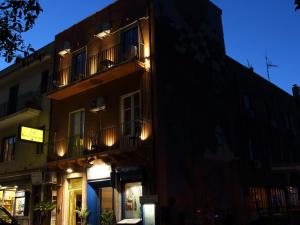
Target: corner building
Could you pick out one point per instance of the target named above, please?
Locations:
(145, 104)
(101, 114)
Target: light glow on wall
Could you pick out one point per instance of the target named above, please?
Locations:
(109, 137)
(145, 131)
(147, 56)
(60, 150)
(99, 170)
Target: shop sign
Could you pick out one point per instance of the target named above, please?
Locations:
(31, 134)
(99, 171)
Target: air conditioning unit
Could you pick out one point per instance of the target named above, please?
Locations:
(50, 178)
(97, 104)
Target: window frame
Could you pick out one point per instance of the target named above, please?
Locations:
(3, 146)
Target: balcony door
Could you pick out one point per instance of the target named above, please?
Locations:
(131, 115)
(130, 43)
(78, 66)
(76, 132)
(13, 99)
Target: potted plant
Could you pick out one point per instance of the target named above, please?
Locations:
(45, 208)
(108, 218)
(83, 214)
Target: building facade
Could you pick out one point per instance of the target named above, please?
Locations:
(24, 105)
(101, 114)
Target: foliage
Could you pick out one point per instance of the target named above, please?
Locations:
(16, 18)
(45, 207)
(108, 218)
(297, 3)
(83, 214)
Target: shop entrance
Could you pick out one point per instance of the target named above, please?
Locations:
(75, 200)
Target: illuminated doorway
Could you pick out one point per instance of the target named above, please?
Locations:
(75, 200)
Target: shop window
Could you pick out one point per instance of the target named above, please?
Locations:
(8, 149)
(258, 199)
(293, 196)
(132, 205)
(15, 202)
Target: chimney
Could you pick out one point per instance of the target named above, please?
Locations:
(296, 90)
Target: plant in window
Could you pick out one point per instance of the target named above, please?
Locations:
(83, 214)
(45, 208)
(108, 218)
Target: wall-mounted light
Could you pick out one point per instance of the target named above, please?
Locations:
(69, 170)
(103, 30)
(65, 49)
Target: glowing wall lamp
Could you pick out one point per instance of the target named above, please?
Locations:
(149, 209)
(103, 31)
(65, 49)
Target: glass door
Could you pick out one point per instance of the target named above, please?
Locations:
(131, 113)
(75, 200)
(76, 133)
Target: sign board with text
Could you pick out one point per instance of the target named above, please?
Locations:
(31, 134)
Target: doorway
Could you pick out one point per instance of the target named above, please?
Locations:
(75, 200)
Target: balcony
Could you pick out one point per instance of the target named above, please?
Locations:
(107, 65)
(26, 107)
(108, 143)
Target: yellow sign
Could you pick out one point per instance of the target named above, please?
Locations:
(32, 134)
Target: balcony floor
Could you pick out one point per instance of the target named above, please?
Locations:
(115, 157)
(18, 117)
(95, 80)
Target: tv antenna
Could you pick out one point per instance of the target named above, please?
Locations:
(269, 65)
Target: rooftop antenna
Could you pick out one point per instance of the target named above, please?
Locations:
(250, 65)
(269, 64)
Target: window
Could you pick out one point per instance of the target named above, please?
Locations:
(131, 113)
(130, 43)
(13, 99)
(132, 205)
(78, 66)
(8, 149)
(76, 131)
(44, 81)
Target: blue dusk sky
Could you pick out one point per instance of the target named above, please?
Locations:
(253, 29)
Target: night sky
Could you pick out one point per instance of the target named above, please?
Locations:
(253, 29)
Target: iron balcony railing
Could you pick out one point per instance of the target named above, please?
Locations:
(99, 62)
(126, 136)
(28, 100)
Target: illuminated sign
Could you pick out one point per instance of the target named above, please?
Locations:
(31, 134)
(99, 170)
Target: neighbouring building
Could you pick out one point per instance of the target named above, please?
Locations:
(24, 122)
